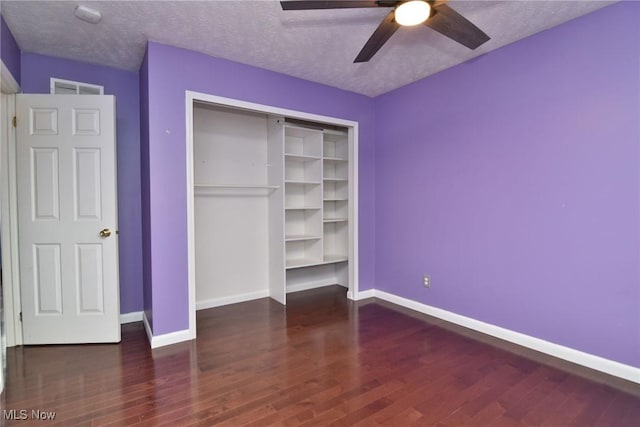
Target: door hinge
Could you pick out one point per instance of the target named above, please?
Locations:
(21, 316)
(15, 121)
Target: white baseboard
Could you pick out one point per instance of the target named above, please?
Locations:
(147, 327)
(369, 293)
(171, 338)
(598, 363)
(166, 339)
(311, 285)
(233, 299)
(134, 316)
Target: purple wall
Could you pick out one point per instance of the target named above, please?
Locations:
(36, 71)
(145, 190)
(514, 181)
(171, 71)
(9, 50)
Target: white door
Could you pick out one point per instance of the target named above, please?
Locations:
(66, 169)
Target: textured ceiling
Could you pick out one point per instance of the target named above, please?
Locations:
(314, 45)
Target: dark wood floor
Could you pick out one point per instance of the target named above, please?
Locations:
(323, 360)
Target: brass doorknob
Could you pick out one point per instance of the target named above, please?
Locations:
(105, 232)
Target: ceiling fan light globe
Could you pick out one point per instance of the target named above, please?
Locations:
(412, 13)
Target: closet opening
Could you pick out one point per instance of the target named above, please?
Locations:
(272, 202)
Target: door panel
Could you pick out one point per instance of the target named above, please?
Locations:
(44, 189)
(89, 276)
(87, 185)
(47, 279)
(43, 121)
(66, 196)
(86, 121)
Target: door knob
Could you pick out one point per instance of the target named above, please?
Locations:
(105, 232)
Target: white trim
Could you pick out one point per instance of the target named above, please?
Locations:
(233, 299)
(190, 98)
(147, 327)
(8, 189)
(8, 83)
(354, 259)
(134, 316)
(4, 122)
(171, 338)
(191, 241)
(598, 363)
(9, 219)
(369, 293)
(267, 109)
(165, 339)
(13, 226)
(311, 285)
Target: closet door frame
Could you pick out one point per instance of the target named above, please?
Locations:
(192, 97)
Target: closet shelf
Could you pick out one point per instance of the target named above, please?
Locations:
(301, 157)
(310, 208)
(336, 179)
(225, 189)
(335, 219)
(298, 237)
(330, 259)
(302, 262)
(302, 182)
(269, 187)
(334, 159)
(335, 200)
(309, 262)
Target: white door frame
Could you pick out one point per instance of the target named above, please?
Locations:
(192, 97)
(9, 201)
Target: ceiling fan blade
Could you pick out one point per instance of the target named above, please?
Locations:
(450, 23)
(379, 37)
(308, 5)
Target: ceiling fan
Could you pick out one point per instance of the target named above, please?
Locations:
(434, 14)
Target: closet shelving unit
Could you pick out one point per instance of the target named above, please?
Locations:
(303, 189)
(335, 199)
(316, 197)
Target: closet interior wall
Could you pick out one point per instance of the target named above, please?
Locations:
(231, 205)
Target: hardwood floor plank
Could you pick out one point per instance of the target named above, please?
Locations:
(552, 404)
(597, 400)
(490, 389)
(623, 411)
(322, 360)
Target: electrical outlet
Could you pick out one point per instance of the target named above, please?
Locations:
(426, 281)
